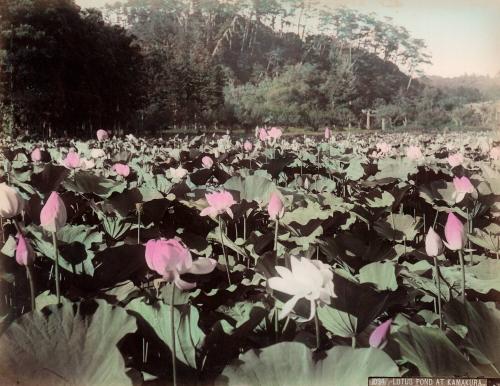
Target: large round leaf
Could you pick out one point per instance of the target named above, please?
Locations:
(432, 352)
(188, 335)
(291, 364)
(75, 344)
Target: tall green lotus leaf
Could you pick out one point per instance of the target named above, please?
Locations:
(347, 366)
(49, 178)
(399, 168)
(438, 191)
(383, 275)
(485, 240)
(482, 277)
(188, 334)
(482, 321)
(75, 243)
(86, 182)
(432, 352)
(303, 215)
(355, 170)
(397, 226)
(338, 322)
(377, 199)
(252, 188)
(291, 364)
(74, 344)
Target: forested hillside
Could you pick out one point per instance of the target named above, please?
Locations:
(149, 65)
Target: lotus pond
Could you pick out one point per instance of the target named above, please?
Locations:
(212, 260)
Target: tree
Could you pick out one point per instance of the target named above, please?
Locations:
(66, 69)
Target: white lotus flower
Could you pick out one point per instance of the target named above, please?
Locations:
(178, 173)
(308, 279)
(97, 153)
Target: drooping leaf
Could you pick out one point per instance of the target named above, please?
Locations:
(73, 344)
(188, 334)
(432, 352)
(291, 363)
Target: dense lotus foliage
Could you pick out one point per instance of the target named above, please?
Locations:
(263, 260)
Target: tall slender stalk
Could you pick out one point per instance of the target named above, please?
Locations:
(462, 267)
(276, 224)
(139, 211)
(224, 250)
(438, 281)
(172, 331)
(56, 267)
(316, 326)
(29, 273)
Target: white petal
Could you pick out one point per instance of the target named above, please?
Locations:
(202, 266)
(288, 307)
(183, 285)
(285, 286)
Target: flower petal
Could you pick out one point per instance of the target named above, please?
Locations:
(202, 266)
(288, 307)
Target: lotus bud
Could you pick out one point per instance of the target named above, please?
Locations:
(207, 162)
(11, 203)
(433, 243)
(24, 252)
(36, 155)
(275, 207)
(454, 232)
(53, 215)
(102, 135)
(378, 338)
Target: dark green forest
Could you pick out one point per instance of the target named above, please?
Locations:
(152, 65)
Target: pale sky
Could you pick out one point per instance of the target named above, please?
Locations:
(463, 36)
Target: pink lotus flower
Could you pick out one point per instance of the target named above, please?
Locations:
(414, 153)
(433, 243)
(462, 187)
(24, 251)
(72, 160)
(275, 208)
(384, 148)
(207, 162)
(121, 169)
(275, 133)
(454, 232)
(36, 155)
(170, 259)
(53, 215)
(11, 202)
(219, 202)
(378, 338)
(328, 133)
(495, 153)
(248, 146)
(263, 135)
(455, 159)
(102, 135)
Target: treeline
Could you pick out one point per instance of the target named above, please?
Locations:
(149, 65)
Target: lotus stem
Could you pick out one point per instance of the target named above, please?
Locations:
(276, 326)
(316, 326)
(438, 281)
(224, 250)
(139, 211)
(462, 267)
(56, 267)
(276, 224)
(31, 281)
(1, 229)
(353, 341)
(172, 331)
